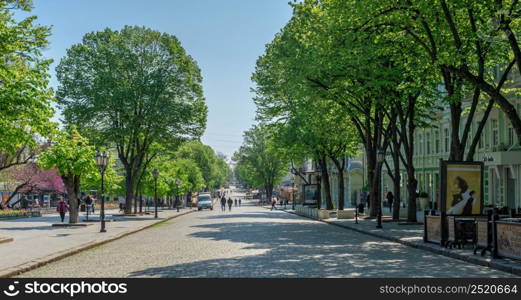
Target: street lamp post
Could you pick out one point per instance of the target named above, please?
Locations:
(155, 173)
(102, 160)
(177, 183)
(380, 156)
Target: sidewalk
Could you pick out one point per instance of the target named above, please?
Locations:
(412, 235)
(36, 242)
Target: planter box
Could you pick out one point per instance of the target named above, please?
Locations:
(348, 213)
(306, 211)
(323, 214)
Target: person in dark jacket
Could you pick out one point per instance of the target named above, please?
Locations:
(230, 203)
(223, 203)
(62, 208)
(390, 200)
(88, 203)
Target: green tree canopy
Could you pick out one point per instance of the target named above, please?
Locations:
(25, 99)
(213, 167)
(258, 161)
(132, 88)
(72, 155)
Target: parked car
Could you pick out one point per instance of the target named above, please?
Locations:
(204, 200)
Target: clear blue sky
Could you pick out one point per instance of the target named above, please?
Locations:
(225, 37)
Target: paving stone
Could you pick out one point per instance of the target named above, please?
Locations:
(251, 241)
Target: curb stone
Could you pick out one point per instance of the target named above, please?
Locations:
(516, 270)
(36, 263)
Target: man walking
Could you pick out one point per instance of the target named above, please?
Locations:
(230, 203)
(223, 203)
(390, 200)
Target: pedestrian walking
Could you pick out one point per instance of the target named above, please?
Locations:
(230, 203)
(235, 201)
(62, 208)
(240, 201)
(390, 200)
(223, 203)
(273, 202)
(88, 203)
(122, 202)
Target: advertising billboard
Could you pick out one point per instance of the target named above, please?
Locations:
(462, 188)
(311, 196)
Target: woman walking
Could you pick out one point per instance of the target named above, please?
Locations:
(62, 208)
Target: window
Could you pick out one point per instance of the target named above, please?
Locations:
(437, 142)
(480, 141)
(420, 144)
(495, 134)
(428, 142)
(511, 135)
(446, 133)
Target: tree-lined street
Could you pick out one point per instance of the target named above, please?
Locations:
(396, 121)
(252, 241)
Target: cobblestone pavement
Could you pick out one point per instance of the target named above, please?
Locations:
(251, 241)
(36, 240)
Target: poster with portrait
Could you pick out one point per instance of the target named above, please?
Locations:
(462, 188)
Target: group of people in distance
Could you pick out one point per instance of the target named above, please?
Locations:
(230, 203)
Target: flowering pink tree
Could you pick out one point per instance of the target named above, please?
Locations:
(31, 178)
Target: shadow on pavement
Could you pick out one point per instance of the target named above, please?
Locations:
(47, 227)
(232, 215)
(49, 219)
(308, 249)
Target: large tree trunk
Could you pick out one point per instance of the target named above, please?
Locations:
(72, 185)
(453, 89)
(397, 188)
(376, 202)
(135, 202)
(341, 189)
(129, 190)
(269, 192)
(412, 184)
(371, 173)
(325, 182)
(340, 165)
(395, 174)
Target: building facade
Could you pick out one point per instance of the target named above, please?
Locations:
(498, 148)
